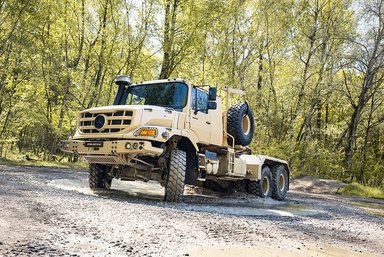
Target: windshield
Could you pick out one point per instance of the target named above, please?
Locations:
(171, 95)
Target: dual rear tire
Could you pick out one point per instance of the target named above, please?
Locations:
(273, 183)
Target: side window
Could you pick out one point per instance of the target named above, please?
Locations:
(199, 100)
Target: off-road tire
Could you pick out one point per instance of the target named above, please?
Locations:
(262, 187)
(240, 124)
(98, 177)
(280, 182)
(176, 176)
(240, 186)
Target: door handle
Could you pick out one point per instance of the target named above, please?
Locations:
(195, 118)
(208, 122)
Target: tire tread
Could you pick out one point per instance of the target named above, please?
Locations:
(234, 124)
(98, 178)
(256, 187)
(176, 178)
(276, 193)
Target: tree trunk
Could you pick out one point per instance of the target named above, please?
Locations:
(305, 76)
(259, 80)
(360, 176)
(355, 118)
(169, 37)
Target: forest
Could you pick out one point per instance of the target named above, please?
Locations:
(313, 71)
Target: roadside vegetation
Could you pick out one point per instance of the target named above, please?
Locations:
(356, 189)
(27, 160)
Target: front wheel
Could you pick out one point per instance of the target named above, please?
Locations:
(279, 182)
(262, 187)
(98, 177)
(174, 187)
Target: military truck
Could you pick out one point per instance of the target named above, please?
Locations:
(176, 133)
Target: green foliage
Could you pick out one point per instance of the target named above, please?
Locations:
(356, 189)
(31, 160)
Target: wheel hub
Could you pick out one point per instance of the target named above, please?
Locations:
(265, 185)
(246, 124)
(281, 182)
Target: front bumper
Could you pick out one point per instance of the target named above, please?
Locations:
(110, 148)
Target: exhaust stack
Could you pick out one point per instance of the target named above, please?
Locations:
(123, 81)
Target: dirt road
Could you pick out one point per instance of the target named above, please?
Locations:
(51, 212)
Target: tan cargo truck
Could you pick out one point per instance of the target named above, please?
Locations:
(175, 133)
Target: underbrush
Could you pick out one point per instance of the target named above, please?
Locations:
(356, 189)
(15, 159)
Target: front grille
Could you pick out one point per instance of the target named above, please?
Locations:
(115, 121)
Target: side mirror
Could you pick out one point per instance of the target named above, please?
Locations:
(212, 93)
(212, 105)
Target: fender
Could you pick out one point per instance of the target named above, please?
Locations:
(256, 162)
(192, 138)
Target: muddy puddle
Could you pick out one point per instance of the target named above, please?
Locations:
(234, 204)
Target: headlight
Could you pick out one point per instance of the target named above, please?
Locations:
(146, 132)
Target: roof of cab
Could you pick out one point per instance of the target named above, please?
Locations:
(160, 81)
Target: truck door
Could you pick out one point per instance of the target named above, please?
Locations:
(199, 116)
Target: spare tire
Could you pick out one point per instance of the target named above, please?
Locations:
(240, 124)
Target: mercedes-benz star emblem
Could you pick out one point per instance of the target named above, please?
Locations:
(100, 121)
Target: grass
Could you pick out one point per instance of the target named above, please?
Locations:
(356, 189)
(15, 160)
(377, 206)
(371, 208)
(378, 213)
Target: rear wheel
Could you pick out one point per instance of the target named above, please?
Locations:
(98, 177)
(279, 182)
(262, 187)
(174, 187)
(240, 186)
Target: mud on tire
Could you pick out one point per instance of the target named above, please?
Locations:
(174, 187)
(279, 182)
(98, 177)
(262, 187)
(240, 124)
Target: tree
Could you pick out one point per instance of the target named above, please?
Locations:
(369, 62)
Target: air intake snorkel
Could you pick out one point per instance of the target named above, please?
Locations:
(123, 82)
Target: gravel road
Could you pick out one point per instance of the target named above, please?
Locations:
(51, 212)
